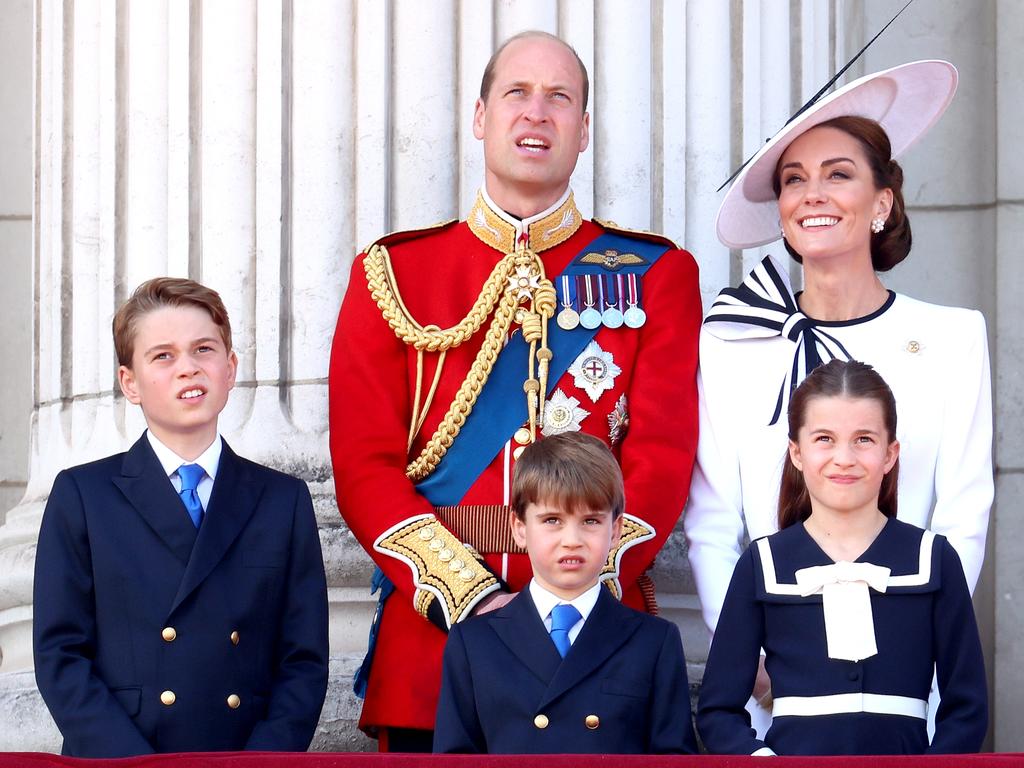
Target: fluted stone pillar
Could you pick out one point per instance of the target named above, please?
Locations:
(256, 145)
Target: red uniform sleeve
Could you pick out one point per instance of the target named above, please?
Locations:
(369, 418)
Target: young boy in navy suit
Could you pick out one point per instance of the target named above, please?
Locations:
(180, 599)
(564, 667)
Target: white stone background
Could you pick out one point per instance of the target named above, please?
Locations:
(256, 145)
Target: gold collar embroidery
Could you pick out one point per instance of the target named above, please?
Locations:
(547, 232)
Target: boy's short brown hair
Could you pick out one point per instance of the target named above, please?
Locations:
(573, 470)
(163, 292)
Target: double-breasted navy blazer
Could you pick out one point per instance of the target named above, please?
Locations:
(151, 636)
(622, 688)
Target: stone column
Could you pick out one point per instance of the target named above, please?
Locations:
(16, 41)
(16, 299)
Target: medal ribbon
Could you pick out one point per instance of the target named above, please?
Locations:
(634, 293)
(568, 291)
(613, 293)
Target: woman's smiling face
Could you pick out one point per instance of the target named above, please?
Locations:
(827, 195)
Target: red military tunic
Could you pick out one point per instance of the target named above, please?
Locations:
(439, 273)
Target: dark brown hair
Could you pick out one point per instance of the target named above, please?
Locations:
(488, 78)
(163, 292)
(573, 471)
(837, 378)
(890, 246)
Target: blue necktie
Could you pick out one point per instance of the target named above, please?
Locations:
(190, 475)
(563, 618)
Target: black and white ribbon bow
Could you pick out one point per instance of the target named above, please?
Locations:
(763, 306)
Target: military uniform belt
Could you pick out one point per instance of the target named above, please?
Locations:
(483, 526)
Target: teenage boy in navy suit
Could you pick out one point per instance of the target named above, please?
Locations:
(565, 667)
(180, 599)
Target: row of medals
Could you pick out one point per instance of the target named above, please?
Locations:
(591, 317)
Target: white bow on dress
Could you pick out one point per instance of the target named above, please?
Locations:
(849, 624)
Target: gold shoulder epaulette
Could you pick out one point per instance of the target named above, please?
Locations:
(640, 234)
(410, 234)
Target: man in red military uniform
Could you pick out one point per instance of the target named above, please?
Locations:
(459, 344)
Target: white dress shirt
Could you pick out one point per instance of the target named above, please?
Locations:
(209, 460)
(545, 601)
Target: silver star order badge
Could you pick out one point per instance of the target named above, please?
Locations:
(594, 371)
(562, 414)
(618, 421)
(524, 281)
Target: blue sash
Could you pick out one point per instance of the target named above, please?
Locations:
(500, 408)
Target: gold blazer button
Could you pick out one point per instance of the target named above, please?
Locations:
(541, 721)
(592, 722)
(233, 701)
(234, 637)
(168, 634)
(167, 698)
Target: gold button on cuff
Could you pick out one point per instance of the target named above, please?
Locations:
(467, 574)
(436, 545)
(456, 564)
(426, 533)
(167, 698)
(445, 555)
(168, 634)
(234, 637)
(522, 436)
(518, 452)
(234, 702)
(541, 721)
(592, 722)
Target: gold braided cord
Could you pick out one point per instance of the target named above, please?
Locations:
(465, 398)
(430, 395)
(421, 406)
(383, 287)
(497, 298)
(545, 301)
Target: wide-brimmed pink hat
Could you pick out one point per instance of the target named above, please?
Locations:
(906, 100)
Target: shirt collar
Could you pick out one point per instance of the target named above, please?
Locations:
(209, 459)
(545, 600)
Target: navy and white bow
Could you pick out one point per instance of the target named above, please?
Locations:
(763, 306)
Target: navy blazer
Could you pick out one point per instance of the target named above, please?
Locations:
(152, 637)
(622, 688)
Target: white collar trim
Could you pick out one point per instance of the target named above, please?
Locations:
(924, 569)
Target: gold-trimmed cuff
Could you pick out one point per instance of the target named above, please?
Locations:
(443, 568)
(634, 531)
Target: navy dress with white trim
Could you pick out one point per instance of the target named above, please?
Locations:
(923, 620)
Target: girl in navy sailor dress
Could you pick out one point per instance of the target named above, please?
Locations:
(853, 609)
